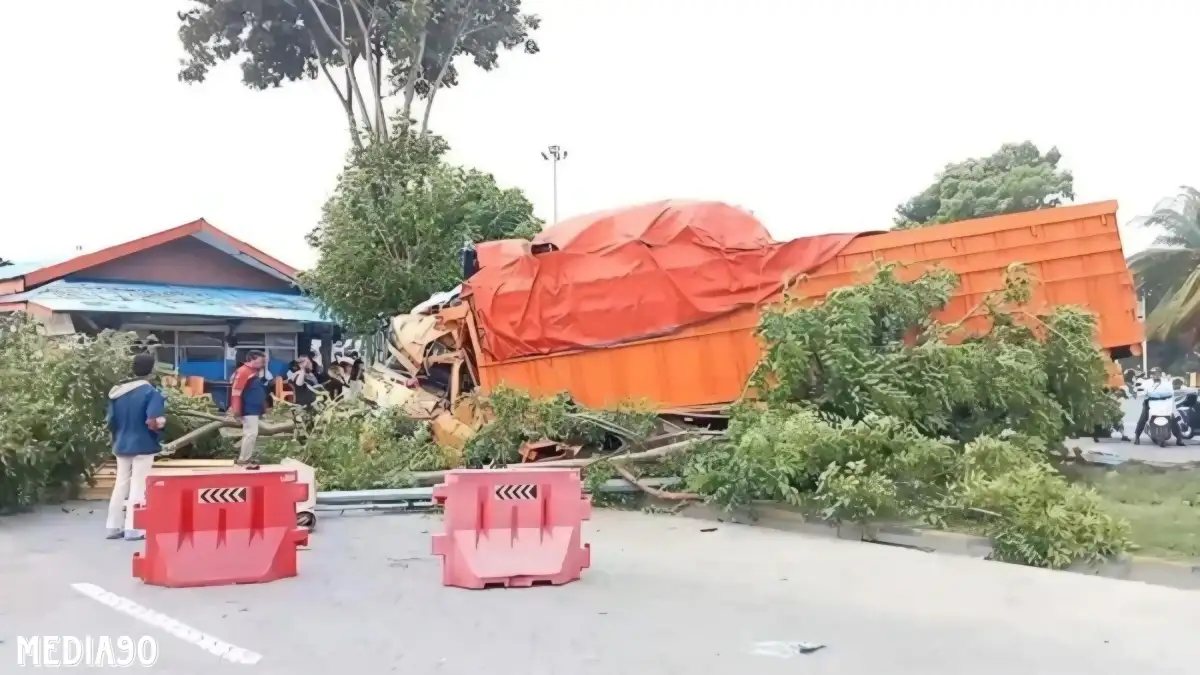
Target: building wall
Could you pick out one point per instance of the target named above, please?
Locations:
(188, 262)
(36, 311)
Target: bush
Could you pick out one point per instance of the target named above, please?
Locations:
(1042, 520)
(53, 402)
(212, 446)
(514, 418)
(353, 447)
(873, 410)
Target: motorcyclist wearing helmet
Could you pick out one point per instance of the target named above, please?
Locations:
(1159, 387)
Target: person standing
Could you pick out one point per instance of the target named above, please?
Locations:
(318, 370)
(136, 417)
(248, 401)
(303, 382)
(1158, 387)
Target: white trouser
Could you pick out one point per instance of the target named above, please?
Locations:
(130, 489)
(249, 437)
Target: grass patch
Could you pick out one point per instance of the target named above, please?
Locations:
(1162, 506)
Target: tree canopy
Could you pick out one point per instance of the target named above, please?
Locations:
(405, 47)
(1168, 274)
(391, 234)
(53, 393)
(1015, 178)
(871, 409)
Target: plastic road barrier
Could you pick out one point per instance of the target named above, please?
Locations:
(211, 529)
(306, 512)
(512, 527)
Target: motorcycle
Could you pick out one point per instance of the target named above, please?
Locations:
(1161, 411)
(1188, 407)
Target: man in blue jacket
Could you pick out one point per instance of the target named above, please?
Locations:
(136, 417)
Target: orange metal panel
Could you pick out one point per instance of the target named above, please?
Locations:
(1074, 252)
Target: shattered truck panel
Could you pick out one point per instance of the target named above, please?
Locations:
(1074, 254)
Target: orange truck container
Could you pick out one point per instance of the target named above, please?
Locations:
(1073, 252)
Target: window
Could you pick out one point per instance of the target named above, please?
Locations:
(243, 352)
(201, 348)
(250, 340)
(281, 341)
(164, 345)
(280, 348)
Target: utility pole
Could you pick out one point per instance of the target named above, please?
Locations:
(1145, 343)
(554, 154)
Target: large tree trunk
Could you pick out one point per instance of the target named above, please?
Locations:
(410, 83)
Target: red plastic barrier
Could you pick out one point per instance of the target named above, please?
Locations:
(211, 529)
(512, 527)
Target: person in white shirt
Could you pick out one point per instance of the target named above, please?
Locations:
(1158, 387)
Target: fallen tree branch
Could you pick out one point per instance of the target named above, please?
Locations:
(200, 415)
(214, 425)
(264, 428)
(432, 477)
(191, 437)
(655, 492)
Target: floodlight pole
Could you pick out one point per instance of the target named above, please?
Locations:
(554, 154)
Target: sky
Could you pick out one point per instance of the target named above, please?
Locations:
(818, 116)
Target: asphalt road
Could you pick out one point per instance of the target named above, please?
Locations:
(663, 596)
(1146, 451)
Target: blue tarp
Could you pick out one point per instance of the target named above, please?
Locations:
(133, 298)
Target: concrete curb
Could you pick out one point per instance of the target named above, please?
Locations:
(1183, 575)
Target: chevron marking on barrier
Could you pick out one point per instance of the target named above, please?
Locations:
(511, 492)
(235, 495)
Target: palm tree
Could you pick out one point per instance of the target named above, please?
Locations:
(1168, 274)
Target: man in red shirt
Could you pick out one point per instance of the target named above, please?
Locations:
(248, 401)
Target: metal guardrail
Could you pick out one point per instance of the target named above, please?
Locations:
(421, 498)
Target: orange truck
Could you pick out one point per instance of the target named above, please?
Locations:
(660, 302)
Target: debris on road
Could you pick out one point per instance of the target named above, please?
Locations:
(785, 650)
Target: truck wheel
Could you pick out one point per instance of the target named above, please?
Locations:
(307, 520)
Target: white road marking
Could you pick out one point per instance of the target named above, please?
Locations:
(210, 644)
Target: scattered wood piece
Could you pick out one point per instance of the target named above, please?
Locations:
(655, 492)
(547, 450)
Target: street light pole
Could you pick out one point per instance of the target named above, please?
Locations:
(1145, 342)
(553, 154)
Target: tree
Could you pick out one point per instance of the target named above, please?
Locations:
(869, 409)
(53, 393)
(1015, 178)
(404, 46)
(1168, 274)
(391, 234)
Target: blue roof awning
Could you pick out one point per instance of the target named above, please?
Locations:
(98, 296)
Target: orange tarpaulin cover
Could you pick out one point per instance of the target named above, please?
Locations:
(635, 273)
(496, 253)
